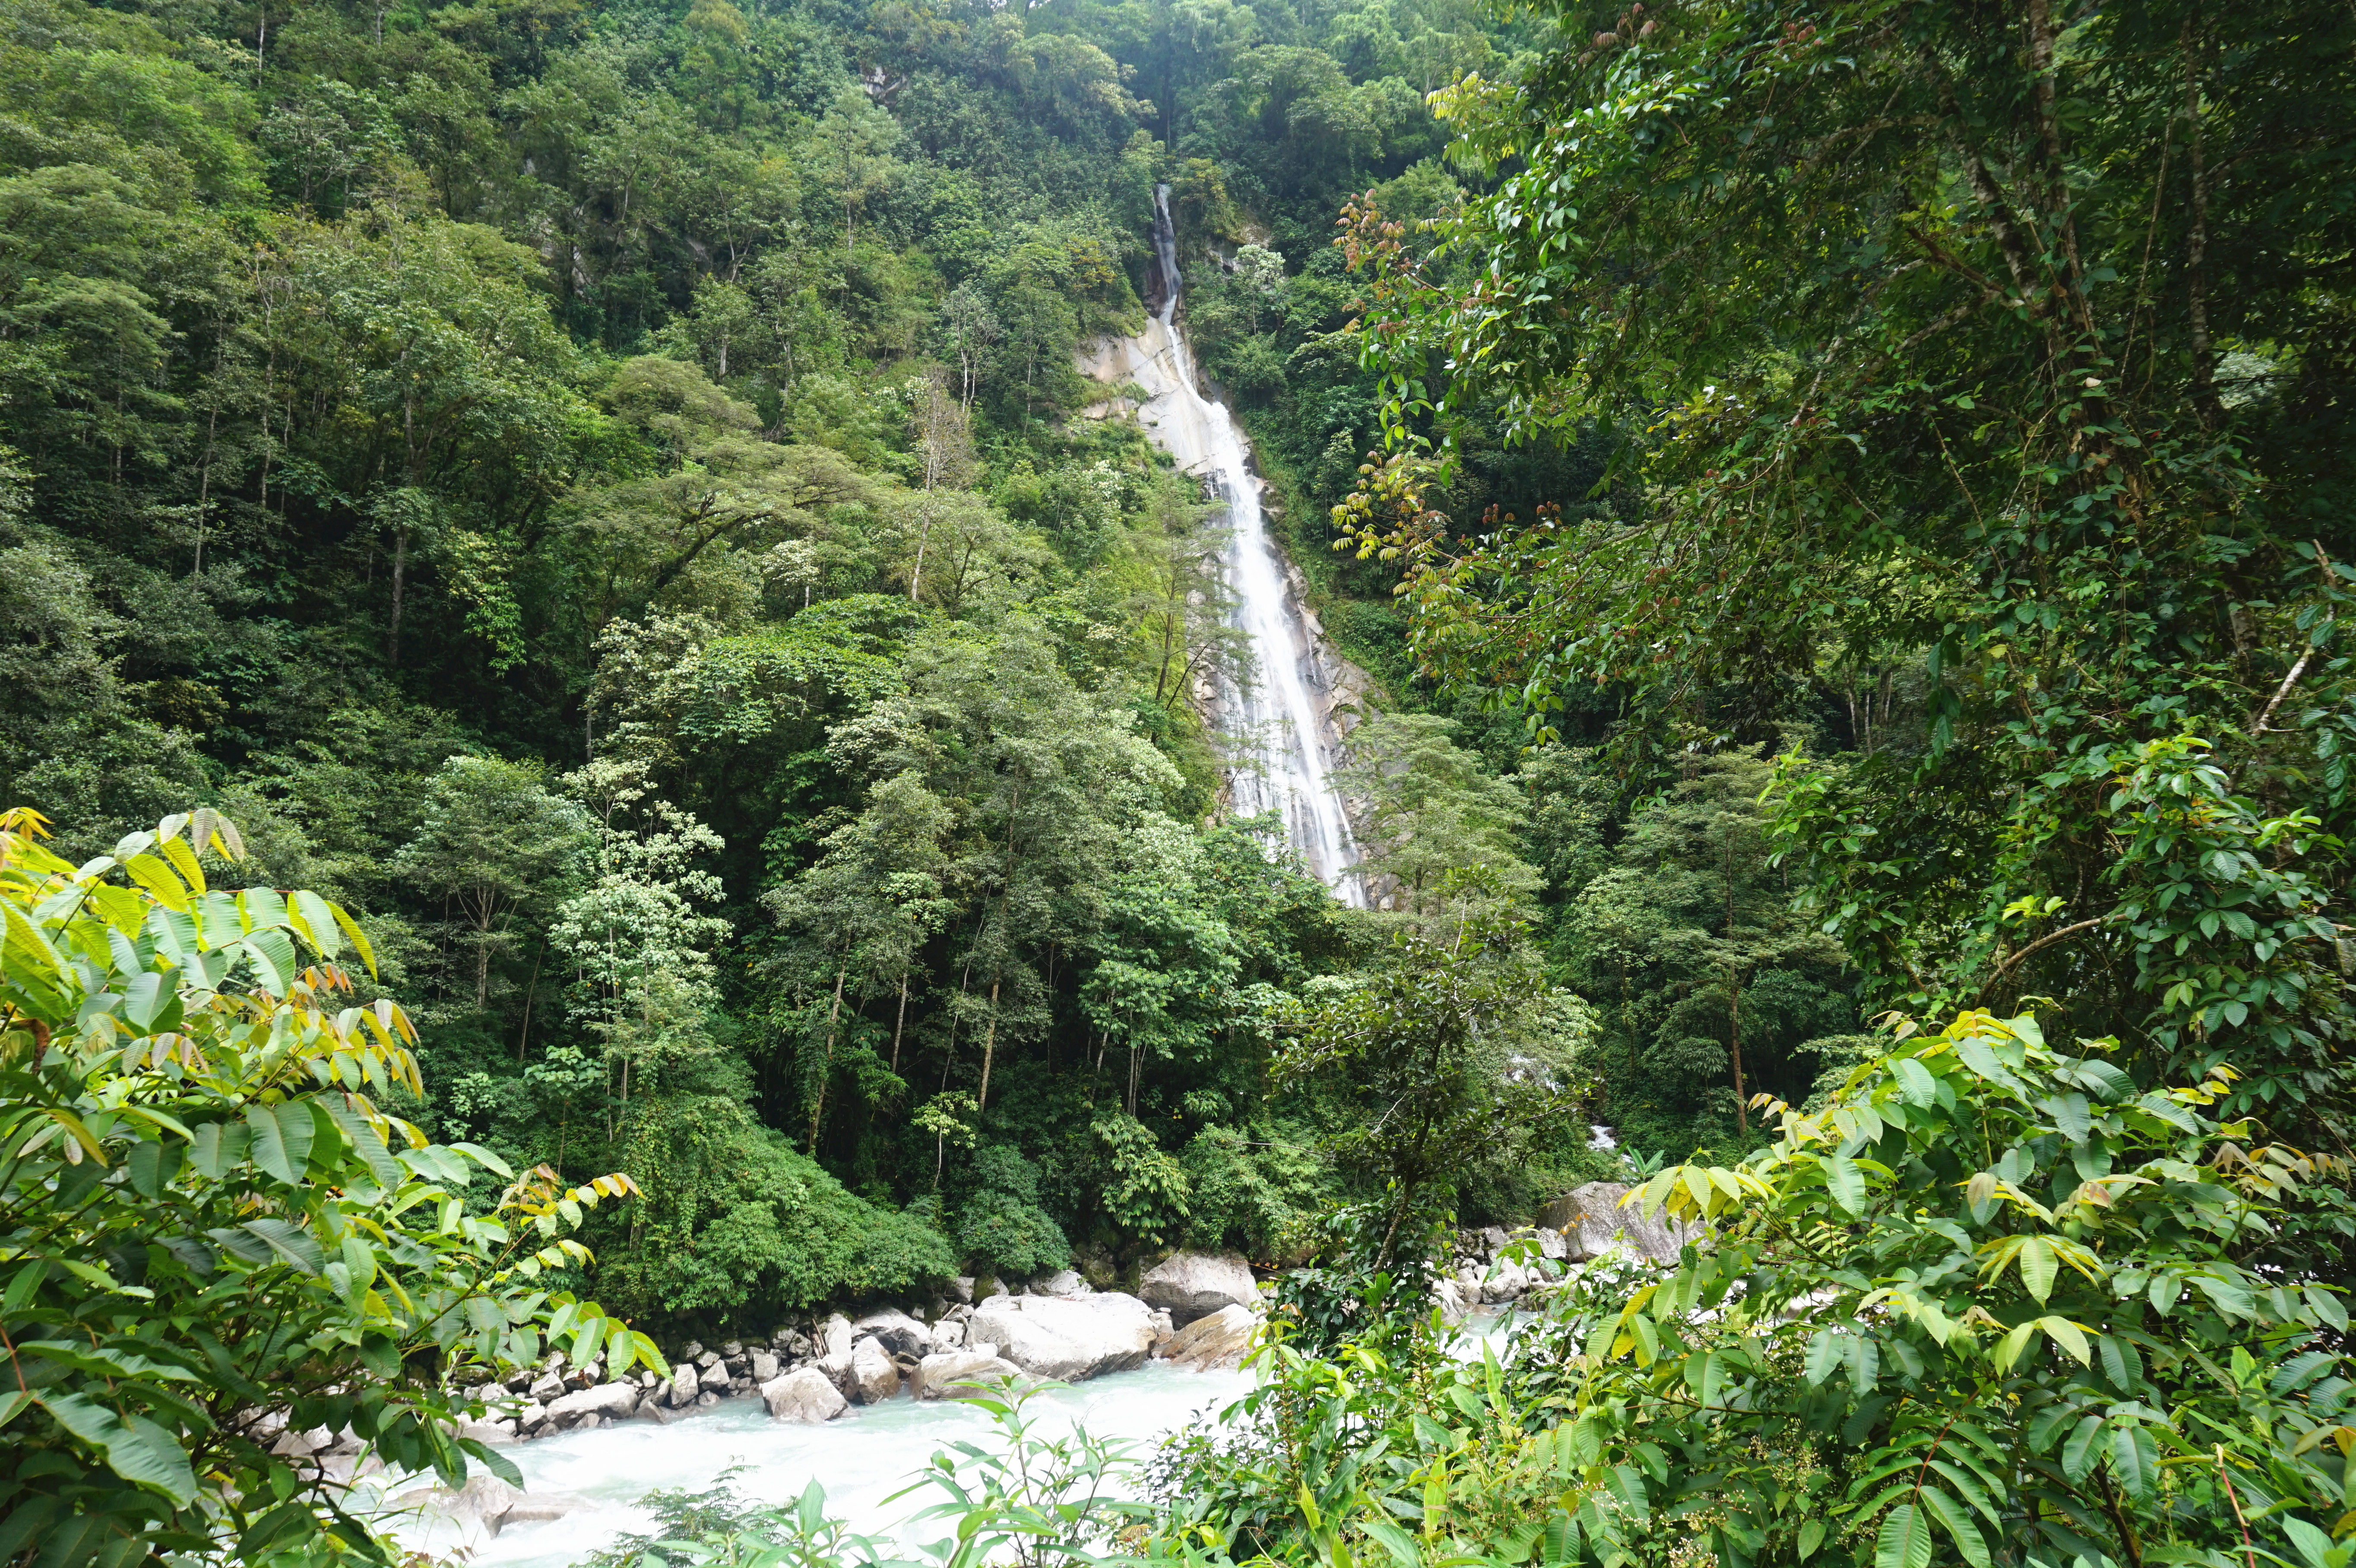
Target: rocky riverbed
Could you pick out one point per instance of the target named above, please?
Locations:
(1191, 1313)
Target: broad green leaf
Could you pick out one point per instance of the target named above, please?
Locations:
(2067, 1335)
(1961, 1528)
(365, 1142)
(290, 1244)
(1396, 1541)
(136, 1448)
(1905, 1539)
(2037, 1266)
(1845, 1183)
(2134, 1459)
(1812, 1535)
(2082, 1451)
(282, 1139)
(1824, 1355)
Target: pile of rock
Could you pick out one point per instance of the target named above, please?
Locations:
(1583, 1226)
(1197, 1310)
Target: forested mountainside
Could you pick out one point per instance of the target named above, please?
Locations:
(602, 492)
(592, 705)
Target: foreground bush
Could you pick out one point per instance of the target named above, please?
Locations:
(203, 1217)
(1985, 1308)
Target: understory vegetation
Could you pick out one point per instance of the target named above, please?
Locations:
(599, 729)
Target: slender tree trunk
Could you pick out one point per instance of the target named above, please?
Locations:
(2196, 242)
(989, 1049)
(826, 1067)
(901, 1022)
(949, 1055)
(400, 571)
(524, 1039)
(1734, 1045)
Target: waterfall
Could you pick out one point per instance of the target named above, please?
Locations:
(1278, 721)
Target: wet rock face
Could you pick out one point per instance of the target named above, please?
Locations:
(1219, 1340)
(1065, 1340)
(873, 1378)
(1593, 1223)
(808, 1395)
(1195, 1285)
(961, 1374)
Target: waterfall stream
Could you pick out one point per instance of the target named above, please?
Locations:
(1278, 721)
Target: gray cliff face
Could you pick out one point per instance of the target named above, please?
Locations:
(1284, 726)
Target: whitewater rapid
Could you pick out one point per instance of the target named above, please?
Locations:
(861, 1458)
(1278, 723)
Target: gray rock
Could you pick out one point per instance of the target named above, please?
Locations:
(485, 1501)
(834, 1335)
(988, 1289)
(962, 1288)
(706, 1400)
(706, 1362)
(1163, 1327)
(901, 1334)
(1594, 1222)
(1551, 1244)
(683, 1385)
(948, 1334)
(1504, 1282)
(1065, 1284)
(713, 1376)
(1066, 1340)
(958, 1374)
(1220, 1339)
(873, 1377)
(692, 1350)
(808, 1395)
(731, 1349)
(614, 1401)
(545, 1387)
(1195, 1285)
(491, 1429)
(765, 1366)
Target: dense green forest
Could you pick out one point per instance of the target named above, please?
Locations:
(587, 513)
(599, 493)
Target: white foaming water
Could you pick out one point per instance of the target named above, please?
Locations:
(1278, 725)
(862, 1459)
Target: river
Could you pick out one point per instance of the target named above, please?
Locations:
(861, 1458)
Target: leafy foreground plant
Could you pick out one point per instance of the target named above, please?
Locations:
(1983, 1310)
(206, 1223)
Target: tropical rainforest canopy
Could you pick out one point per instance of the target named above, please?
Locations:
(587, 512)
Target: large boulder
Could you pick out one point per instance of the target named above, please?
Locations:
(1066, 1340)
(834, 1334)
(611, 1401)
(483, 1502)
(1195, 1285)
(1220, 1339)
(872, 1377)
(961, 1374)
(807, 1395)
(683, 1387)
(1593, 1223)
(901, 1335)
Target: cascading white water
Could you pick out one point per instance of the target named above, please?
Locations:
(1277, 724)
